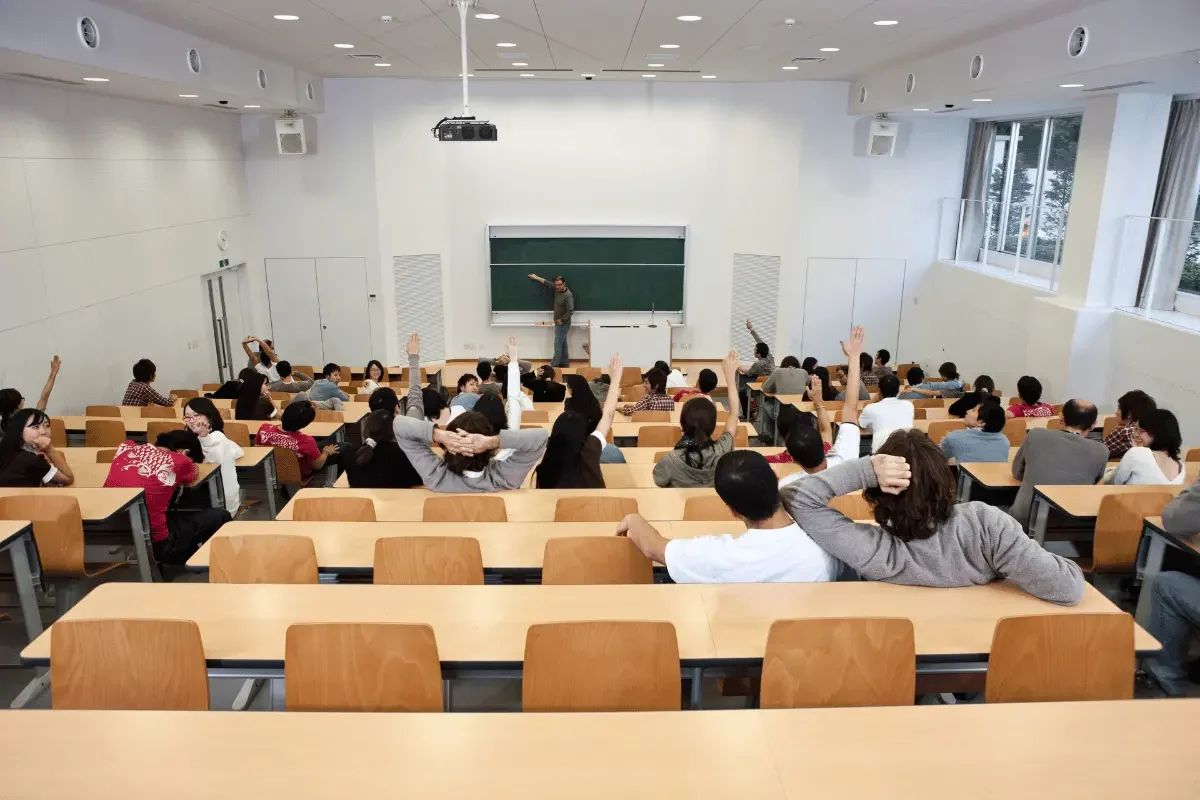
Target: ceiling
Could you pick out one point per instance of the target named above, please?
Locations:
(737, 40)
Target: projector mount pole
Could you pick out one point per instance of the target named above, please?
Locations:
(463, 5)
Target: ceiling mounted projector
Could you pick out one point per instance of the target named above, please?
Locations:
(465, 128)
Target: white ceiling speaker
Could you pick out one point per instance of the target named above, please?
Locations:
(976, 67)
(290, 135)
(882, 141)
(193, 61)
(1078, 42)
(89, 34)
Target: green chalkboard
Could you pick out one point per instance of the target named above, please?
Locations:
(605, 274)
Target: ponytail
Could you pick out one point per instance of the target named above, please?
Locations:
(698, 420)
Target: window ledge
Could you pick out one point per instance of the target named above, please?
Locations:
(1032, 281)
(1172, 319)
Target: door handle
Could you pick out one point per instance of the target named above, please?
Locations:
(221, 345)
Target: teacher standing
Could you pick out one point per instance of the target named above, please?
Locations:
(564, 307)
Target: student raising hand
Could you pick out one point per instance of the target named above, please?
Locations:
(858, 335)
(414, 345)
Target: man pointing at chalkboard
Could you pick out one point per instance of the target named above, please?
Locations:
(564, 307)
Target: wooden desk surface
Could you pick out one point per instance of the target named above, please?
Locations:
(993, 475)
(319, 430)
(96, 504)
(523, 505)
(616, 476)
(1191, 542)
(252, 456)
(645, 455)
(353, 412)
(350, 546)
(12, 528)
(475, 624)
(93, 475)
(1084, 501)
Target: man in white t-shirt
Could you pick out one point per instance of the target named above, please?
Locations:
(889, 414)
(773, 549)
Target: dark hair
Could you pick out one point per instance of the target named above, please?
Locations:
(805, 446)
(14, 440)
(889, 385)
(746, 483)
(383, 373)
(791, 362)
(470, 422)
(297, 415)
(546, 372)
(1029, 389)
(884, 356)
(985, 385)
(331, 368)
(262, 354)
(491, 408)
(377, 426)
(582, 401)
(433, 402)
(484, 370)
(10, 401)
(809, 365)
(1164, 428)
(657, 380)
(922, 508)
(384, 399)
(560, 278)
(144, 371)
(206, 407)
(562, 463)
(707, 381)
(761, 350)
(284, 368)
(466, 378)
(247, 400)
(246, 373)
(827, 390)
(181, 440)
(605, 378)
(1079, 414)
(1132, 405)
(948, 370)
(915, 376)
(864, 362)
(664, 366)
(993, 417)
(698, 420)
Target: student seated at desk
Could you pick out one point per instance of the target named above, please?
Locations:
(1065, 457)
(384, 399)
(468, 393)
(162, 470)
(326, 387)
(600, 387)
(774, 549)
(889, 414)
(1156, 461)
(1175, 602)
(230, 389)
(923, 538)
(948, 384)
(764, 362)
(290, 380)
(916, 376)
(984, 386)
(373, 375)
(545, 389)
(656, 398)
(1029, 389)
(789, 378)
(264, 360)
(826, 392)
(694, 460)
(584, 403)
(809, 364)
(818, 449)
(983, 439)
(575, 447)
(139, 392)
(254, 399)
(295, 418)
(379, 463)
(706, 382)
(27, 456)
(487, 379)
(1130, 407)
(675, 378)
(864, 368)
(12, 401)
(201, 417)
(881, 367)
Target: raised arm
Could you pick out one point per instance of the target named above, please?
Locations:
(55, 363)
(750, 327)
(416, 400)
(246, 348)
(512, 405)
(610, 399)
(266, 348)
(414, 437)
(539, 279)
(823, 425)
(735, 408)
(852, 351)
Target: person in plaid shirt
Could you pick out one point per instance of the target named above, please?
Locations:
(140, 392)
(1130, 407)
(656, 399)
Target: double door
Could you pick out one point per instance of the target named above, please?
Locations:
(843, 292)
(223, 291)
(320, 310)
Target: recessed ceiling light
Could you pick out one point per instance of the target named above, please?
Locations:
(189, 95)
(669, 46)
(981, 100)
(520, 63)
(1070, 86)
(286, 17)
(487, 16)
(96, 80)
(589, 74)
(830, 49)
(528, 75)
(382, 64)
(469, 74)
(251, 106)
(651, 75)
(344, 46)
(505, 44)
(920, 109)
(791, 66)
(708, 77)
(690, 18)
(886, 22)
(654, 65)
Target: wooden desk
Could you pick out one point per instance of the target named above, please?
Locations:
(137, 425)
(523, 505)
(1159, 539)
(16, 539)
(348, 548)
(1082, 502)
(989, 475)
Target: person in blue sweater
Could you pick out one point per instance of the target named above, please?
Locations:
(983, 439)
(950, 384)
(326, 388)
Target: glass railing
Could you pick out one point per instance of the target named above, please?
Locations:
(1166, 254)
(1019, 241)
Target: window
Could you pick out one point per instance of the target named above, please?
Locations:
(1190, 282)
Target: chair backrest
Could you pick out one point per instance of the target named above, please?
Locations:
(57, 529)
(902, 371)
(102, 411)
(350, 666)
(631, 376)
(601, 666)
(658, 435)
(303, 369)
(1056, 424)
(226, 413)
(325, 415)
(58, 432)
(578, 560)
(706, 509)
(1119, 528)
(631, 394)
(237, 432)
(854, 506)
(1015, 430)
(591, 373)
(929, 402)
(154, 429)
(1193, 454)
(279, 397)
(158, 412)
(106, 455)
(838, 663)
(659, 456)
(185, 394)
(333, 509)
(1057, 408)
(128, 664)
(424, 376)
(264, 558)
(651, 416)
(347, 372)
(939, 430)
(464, 508)
(1110, 425)
(918, 413)
(594, 508)
(209, 387)
(535, 416)
(741, 437)
(287, 467)
(1054, 657)
(429, 560)
(104, 433)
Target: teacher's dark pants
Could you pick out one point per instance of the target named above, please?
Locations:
(561, 359)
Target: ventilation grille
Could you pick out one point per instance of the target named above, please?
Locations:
(641, 71)
(417, 281)
(46, 78)
(950, 111)
(366, 56)
(1117, 86)
(976, 67)
(219, 107)
(1078, 42)
(650, 57)
(808, 60)
(755, 297)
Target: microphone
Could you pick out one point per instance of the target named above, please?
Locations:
(652, 325)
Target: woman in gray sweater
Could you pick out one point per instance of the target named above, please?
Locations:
(923, 538)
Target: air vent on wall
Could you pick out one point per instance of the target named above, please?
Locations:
(633, 71)
(655, 57)
(46, 78)
(976, 67)
(808, 60)
(365, 56)
(1078, 42)
(219, 107)
(950, 111)
(89, 34)
(193, 61)
(1116, 86)
(910, 83)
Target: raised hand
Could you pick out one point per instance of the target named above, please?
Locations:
(513, 350)
(413, 348)
(615, 366)
(857, 336)
(55, 364)
(749, 325)
(731, 367)
(814, 387)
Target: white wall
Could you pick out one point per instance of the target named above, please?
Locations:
(109, 210)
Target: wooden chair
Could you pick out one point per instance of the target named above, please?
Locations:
(535, 416)
(939, 430)
(104, 433)
(1056, 424)
(658, 435)
(631, 376)
(102, 411)
(929, 402)
(237, 432)
(265, 558)
(1013, 401)
(226, 413)
(594, 508)
(158, 412)
(659, 456)
(464, 508)
(1110, 425)
(1119, 530)
(324, 415)
(159, 427)
(631, 394)
(424, 376)
(106, 456)
(918, 413)
(839, 663)
(706, 509)
(347, 666)
(651, 416)
(1193, 454)
(185, 394)
(741, 437)
(428, 560)
(1015, 430)
(209, 387)
(590, 373)
(334, 509)
(347, 372)
(854, 506)
(1058, 407)
(281, 397)
(287, 469)
(577, 560)
(1056, 657)
(58, 432)
(601, 666)
(128, 664)
(58, 532)
(303, 369)
(902, 371)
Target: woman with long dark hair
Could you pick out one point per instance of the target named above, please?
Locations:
(379, 463)
(693, 462)
(572, 459)
(1156, 461)
(373, 375)
(828, 393)
(254, 399)
(27, 456)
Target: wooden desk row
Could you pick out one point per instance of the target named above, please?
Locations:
(616, 476)
(1105, 751)
(318, 430)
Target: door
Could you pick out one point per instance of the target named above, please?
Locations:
(224, 296)
(878, 298)
(828, 308)
(295, 310)
(345, 313)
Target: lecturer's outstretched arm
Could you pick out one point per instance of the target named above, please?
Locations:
(534, 276)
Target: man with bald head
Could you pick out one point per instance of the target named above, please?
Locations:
(1059, 457)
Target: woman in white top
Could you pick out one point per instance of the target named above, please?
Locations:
(202, 418)
(1156, 462)
(264, 360)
